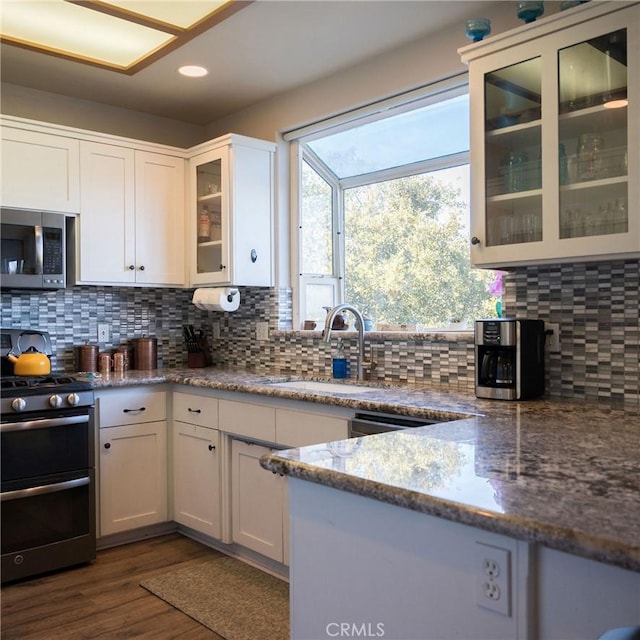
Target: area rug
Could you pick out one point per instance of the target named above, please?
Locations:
(233, 599)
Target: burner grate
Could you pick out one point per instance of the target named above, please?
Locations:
(35, 382)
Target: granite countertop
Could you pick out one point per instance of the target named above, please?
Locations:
(563, 474)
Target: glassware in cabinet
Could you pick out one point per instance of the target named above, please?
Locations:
(513, 143)
(593, 128)
(209, 217)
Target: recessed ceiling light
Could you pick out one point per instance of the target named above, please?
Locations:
(193, 71)
(616, 104)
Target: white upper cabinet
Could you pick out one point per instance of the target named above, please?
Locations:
(160, 254)
(554, 138)
(231, 212)
(132, 217)
(39, 171)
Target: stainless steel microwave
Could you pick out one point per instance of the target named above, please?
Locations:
(33, 249)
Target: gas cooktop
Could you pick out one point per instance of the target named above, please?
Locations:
(43, 394)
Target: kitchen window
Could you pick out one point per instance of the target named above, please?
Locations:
(383, 223)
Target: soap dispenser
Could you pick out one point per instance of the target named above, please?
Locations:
(339, 361)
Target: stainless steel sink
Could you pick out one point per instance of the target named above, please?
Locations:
(329, 387)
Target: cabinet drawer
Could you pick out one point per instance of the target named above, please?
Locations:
(298, 428)
(131, 407)
(194, 409)
(250, 420)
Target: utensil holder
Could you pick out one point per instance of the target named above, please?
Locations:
(196, 360)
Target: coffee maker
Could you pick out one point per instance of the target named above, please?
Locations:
(509, 358)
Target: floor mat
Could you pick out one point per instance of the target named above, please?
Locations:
(229, 597)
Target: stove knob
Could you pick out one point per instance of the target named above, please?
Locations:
(73, 399)
(18, 404)
(55, 401)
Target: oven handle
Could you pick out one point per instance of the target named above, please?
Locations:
(44, 424)
(44, 489)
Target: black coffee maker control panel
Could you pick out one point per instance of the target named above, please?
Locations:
(498, 333)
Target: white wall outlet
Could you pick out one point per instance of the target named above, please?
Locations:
(262, 331)
(216, 330)
(553, 339)
(104, 332)
(492, 575)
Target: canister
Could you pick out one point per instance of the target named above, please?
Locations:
(118, 362)
(87, 357)
(146, 353)
(104, 362)
(126, 356)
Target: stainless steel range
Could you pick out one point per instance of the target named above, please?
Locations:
(47, 474)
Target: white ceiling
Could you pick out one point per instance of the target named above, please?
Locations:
(269, 47)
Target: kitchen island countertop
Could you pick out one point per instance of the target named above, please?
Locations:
(564, 474)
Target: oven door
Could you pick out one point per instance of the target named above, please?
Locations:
(34, 446)
(47, 496)
(48, 526)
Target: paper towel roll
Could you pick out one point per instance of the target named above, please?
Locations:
(217, 299)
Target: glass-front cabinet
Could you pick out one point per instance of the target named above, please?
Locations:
(555, 137)
(231, 214)
(211, 255)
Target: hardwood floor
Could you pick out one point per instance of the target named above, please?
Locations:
(104, 599)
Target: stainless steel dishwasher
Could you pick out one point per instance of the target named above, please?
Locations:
(367, 424)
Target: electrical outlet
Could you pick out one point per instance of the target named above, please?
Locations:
(553, 339)
(492, 576)
(216, 330)
(262, 331)
(104, 332)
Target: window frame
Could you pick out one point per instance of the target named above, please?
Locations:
(417, 99)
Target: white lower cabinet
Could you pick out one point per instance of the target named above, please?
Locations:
(196, 464)
(258, 502)
(259, 498)
(132, 459)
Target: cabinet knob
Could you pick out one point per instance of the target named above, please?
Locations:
(211, 447)
(132, 267)
(222, 266)
(254, 255)
(107, 445)
(141, 267)
(475, 240)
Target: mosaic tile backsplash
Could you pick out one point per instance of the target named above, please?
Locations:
(597, 306)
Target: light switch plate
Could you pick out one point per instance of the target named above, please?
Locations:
(262, 331)
(553, 339)
(104, 332)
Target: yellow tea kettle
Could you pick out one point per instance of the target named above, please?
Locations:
(30, 363)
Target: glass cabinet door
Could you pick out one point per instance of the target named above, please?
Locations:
(209, 222)
(592, 130)
(513, 170)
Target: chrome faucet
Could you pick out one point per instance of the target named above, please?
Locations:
(326, 333)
